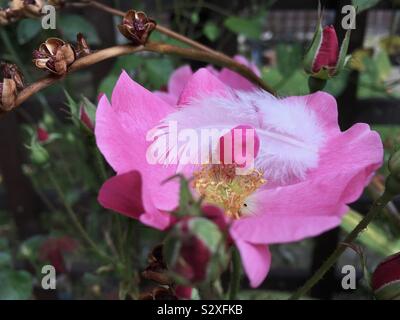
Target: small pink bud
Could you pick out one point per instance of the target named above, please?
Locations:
(85, 119)
(42, 134)
(328, 53)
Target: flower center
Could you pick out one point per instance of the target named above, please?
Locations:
(219, 185)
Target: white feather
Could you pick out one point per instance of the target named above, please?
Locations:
(290, 137)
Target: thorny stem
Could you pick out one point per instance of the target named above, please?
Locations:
(155, 47)
(376, 208)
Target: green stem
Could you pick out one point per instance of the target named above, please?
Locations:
(75, 219)
(235, 275)
(376, 208)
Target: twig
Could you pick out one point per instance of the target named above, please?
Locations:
(156, 47)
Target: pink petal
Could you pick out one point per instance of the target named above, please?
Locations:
(283, 228)
(178, 80)
(121, 131)
(166, 97)
(256, 260)
(323, 105)
(201, 84)
(122, 193)
(235, 80)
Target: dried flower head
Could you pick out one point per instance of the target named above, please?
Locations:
(54, 55)
(82, 47)
(12, 80)
(11, 71)
(137, 27)
(30, 8)
(8, 94)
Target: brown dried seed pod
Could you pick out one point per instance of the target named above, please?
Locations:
(137, 27)
(55, 55)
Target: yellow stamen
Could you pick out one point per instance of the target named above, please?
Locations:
(220, 185)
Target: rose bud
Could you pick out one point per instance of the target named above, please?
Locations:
(8, 94)
(324, 59)
(82, 47)
(53, 250)
(42, 134)
(137, 27)
(11, 71)
(86, 119)
(386, 279)
(195, 251)
(54, 55)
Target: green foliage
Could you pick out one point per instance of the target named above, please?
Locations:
(249, 27)
(153, 73)
(71, 25)
(28, 29)
(375, 71)
(15, 285)
(211, 31)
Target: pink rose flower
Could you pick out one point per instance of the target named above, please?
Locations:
(305, 172)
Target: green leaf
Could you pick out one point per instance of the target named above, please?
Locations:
(211, 31)
(289, 59)
(72, 24)
(157, 71)
(364, 4)
(28, 29)
(249, 27)
(15, 285)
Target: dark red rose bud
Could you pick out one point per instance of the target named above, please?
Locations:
(386, 279)
(137, 27)
(324, 59)
(328, 54)
(55, 55)
(85, 118)
(195, 250)
(194, 258)
(52, 250)
(42, 134)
